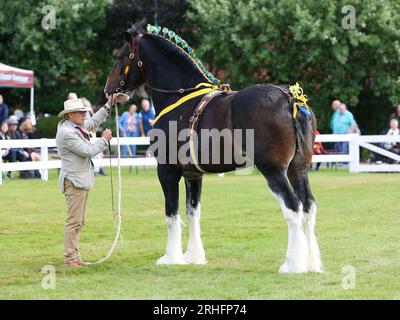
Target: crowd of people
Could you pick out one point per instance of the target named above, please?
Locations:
(132, 123)
(136, 124)
(343, 122)
(14, 127)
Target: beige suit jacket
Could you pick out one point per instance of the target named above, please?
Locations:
(76, 151)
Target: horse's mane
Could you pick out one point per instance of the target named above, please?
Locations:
(170, 41)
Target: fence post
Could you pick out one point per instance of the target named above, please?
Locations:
(354, 151)
(44, 154)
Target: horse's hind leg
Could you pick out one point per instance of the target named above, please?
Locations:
(195, 251)
(297, 253)
(169, 179)
(298, 176)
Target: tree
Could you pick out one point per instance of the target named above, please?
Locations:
(64, 58)
(287, 41)
(78, 54)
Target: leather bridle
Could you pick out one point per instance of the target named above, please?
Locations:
(133, 57)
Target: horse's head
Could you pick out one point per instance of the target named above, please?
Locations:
(127, 73)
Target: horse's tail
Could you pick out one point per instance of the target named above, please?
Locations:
(305, 127)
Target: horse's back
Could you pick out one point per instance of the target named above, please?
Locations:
(266, 110)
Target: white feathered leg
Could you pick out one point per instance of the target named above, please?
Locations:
(314, 258)
(173, 253)
(297, 252)
(195, 251)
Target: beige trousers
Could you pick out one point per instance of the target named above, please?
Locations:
(76, 203)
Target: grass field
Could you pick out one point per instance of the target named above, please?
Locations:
(244, 235)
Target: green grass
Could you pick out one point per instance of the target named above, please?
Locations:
(244, 234)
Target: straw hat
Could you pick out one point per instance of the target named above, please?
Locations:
(73, 105)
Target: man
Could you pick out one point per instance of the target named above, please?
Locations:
(343, 123)
(393, 131)
(77, 172)
(147, 116)
(129, 127)
(335, 109)
(3, 110)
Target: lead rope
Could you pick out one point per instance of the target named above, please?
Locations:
(110, 252)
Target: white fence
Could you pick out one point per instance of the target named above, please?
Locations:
(353, 157)
(45, 164)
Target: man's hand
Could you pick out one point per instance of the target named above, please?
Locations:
(107, 134)
(116, 98)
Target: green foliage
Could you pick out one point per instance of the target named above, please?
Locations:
(65, 58)
(287, 41)
(47, 127)
(78, 54)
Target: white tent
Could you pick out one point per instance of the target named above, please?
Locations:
(18, 78)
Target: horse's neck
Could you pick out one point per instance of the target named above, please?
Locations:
(162, 74)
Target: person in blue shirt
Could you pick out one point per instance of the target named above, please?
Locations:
(129, 127)
(3, 110)
(343, 122)
(147, 116)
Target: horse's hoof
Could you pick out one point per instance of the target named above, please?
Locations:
(194, 258)
(168, 260)
(315, 268)
(285, 268)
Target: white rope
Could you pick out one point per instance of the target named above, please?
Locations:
(119, 196)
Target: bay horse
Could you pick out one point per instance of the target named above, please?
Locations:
(174, 76)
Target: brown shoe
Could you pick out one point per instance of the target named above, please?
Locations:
(73, 264)
(82, 264)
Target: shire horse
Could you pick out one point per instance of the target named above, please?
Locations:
(171, 72)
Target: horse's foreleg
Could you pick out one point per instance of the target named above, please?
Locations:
(169, 180)
(195, 251)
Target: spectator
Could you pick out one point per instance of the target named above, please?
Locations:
(318, 149)
(5, 153)
(393, 131)
(147, 116)
(16, 154)
(3, 110)
(19, 114)
(335, 109)
(28, 132)
(129, 127)
(390, 146)
(343, 123)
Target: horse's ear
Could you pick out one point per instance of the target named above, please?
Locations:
(128, 37)
(139, 25)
